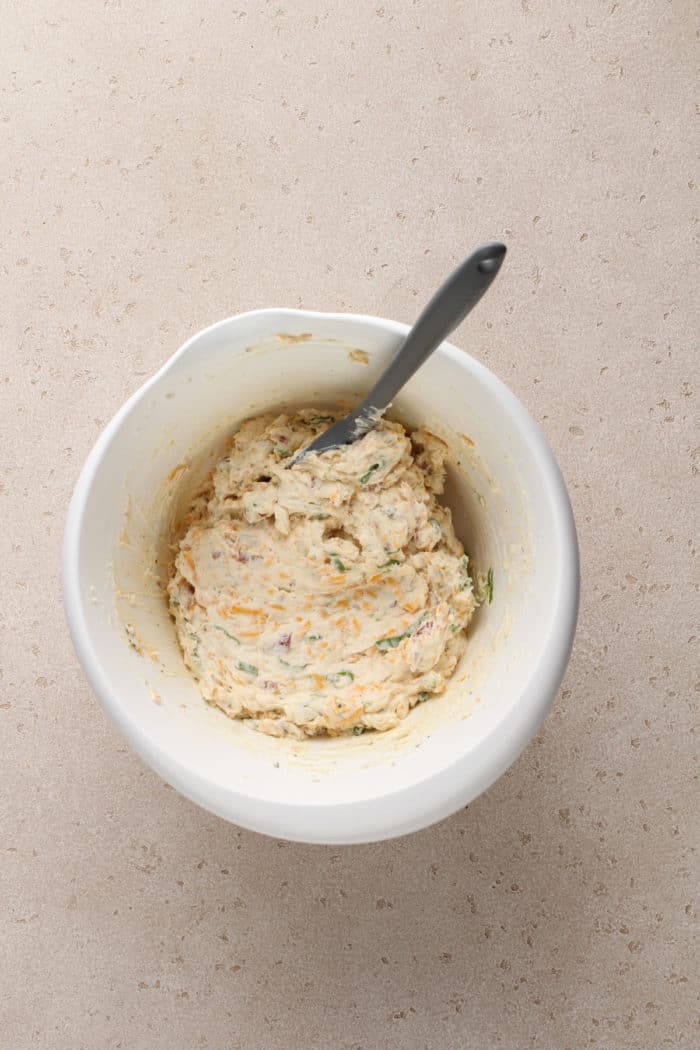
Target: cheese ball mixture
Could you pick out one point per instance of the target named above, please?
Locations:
(330, 596)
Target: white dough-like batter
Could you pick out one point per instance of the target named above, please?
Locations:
(326, 597)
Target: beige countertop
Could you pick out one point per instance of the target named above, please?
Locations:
(164, 165)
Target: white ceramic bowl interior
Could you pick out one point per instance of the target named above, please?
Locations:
(510, 509)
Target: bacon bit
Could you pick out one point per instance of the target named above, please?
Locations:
(284, 640)
(216, 555)
(427, 626)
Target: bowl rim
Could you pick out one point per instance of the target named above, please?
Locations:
(401, 810)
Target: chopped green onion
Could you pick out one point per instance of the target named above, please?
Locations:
(294, 667)
(365, 477)
(358, 730)
(317, 421)
(466, 582)
(197, 641)
(247, 668)
(394, 640)
(338, 563)
(340, 678)
(422, 697)
(484, 590)
(313, 637)
(435, 524)
(227, 633)
(391, 643)
(388, 564)
(282, 452)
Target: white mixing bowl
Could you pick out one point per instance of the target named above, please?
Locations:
(510, 508)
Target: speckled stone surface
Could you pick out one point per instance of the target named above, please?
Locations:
(167, 164)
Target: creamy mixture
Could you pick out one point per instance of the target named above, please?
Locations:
(330, 596)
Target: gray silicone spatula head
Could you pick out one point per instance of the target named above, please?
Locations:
(449, 306)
